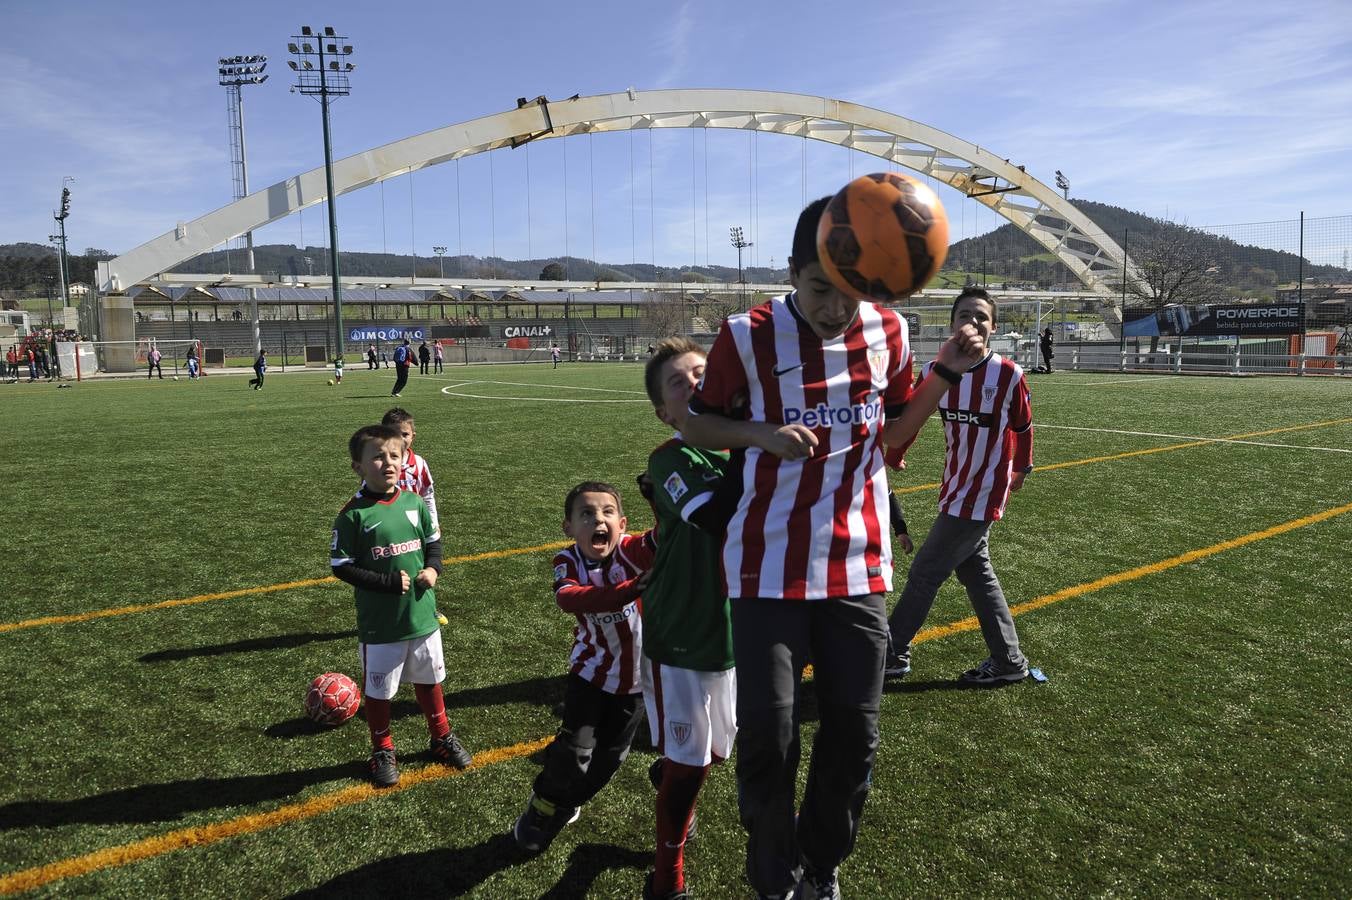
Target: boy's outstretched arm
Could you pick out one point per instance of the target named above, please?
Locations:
(587, 598)
(956, 355)
(714, 431)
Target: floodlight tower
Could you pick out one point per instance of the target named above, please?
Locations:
(235, 72)
(327, 53)
(1064, 184)
(60, 239)
(441, 254)
(741, 243)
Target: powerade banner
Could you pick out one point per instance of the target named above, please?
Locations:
(1216, 319)
(392, 333)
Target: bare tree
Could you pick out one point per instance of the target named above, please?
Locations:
(1176, 266)
(664, 314)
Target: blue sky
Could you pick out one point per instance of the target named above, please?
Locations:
(1208, 113)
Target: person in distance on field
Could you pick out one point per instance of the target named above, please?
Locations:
(988, 431)
(424, 357)
(260, 368)
(599, 580)
(689, 683)
(403, 358)
(1047, 344)
(436, 356)
(809, 528)
(387, 547)
(153, 358)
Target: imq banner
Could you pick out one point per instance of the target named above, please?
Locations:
(392, 333)
(1216, 319)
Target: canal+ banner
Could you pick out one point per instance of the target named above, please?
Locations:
(389, 333)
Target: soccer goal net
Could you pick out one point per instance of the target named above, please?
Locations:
(80, 359)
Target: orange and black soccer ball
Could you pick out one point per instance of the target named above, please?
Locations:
(883, 237)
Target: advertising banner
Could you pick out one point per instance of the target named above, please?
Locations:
(389, 333)
(1216, 319)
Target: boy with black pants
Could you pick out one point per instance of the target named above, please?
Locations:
(811, 384)
(599, 580)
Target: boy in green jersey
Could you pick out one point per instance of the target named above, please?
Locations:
(386, 545)
(689, 683)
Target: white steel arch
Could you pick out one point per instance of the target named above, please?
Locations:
(989, 179)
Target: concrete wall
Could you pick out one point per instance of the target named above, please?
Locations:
(119, 324)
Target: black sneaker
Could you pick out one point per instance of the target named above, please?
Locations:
(383, 770)
(542, 821)
(655, 776)
(649, 894)
(449, 750)
(819, 884)
(895, 666)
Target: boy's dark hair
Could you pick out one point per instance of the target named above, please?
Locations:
(666, 349)
(978, 293)
(396, 417)
(591, 487)
(805, 233)
(368, 433)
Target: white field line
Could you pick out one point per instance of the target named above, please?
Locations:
(561, 387)
(1192, 437)
(1109, 383)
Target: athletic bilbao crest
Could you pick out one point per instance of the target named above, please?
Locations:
(680, 732)
(412, 517)
(988, 392)
(878, 363)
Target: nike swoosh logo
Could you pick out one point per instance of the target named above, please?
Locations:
(371, 528)
(786, 370)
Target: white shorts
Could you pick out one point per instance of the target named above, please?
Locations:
(692, 715)
(418, 661)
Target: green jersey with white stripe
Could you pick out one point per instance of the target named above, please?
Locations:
(687, 622)
(387, 536)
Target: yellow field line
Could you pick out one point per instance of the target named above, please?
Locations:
(971, 624)
(557, 545)
(198, 836)
(1201, 442)
(265, 589)
(135, 851)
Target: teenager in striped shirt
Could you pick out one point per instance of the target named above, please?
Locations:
(988, 432)
(811, 384)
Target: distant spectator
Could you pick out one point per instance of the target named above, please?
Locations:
(153, 363)
(554, 354)
(32, 365)
(403, 357)
(436, 356)
(12, 363)
(193, 370)
(424, 357)
(371, 364)
(1047, 349)
(260, 368)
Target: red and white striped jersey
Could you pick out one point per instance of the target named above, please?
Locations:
(417, 477)
(607, 642)
(815, 528)
(982, 415)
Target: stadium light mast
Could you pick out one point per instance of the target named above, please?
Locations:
(441, 269)
(741, 243)
(1064, 184)
(235, 72)
(322, 71)
(60, 239)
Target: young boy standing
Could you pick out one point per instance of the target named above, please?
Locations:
(599, 580)
(386, 546)
(988, 432)
(416, 475)
(689, 683)
(812, 384)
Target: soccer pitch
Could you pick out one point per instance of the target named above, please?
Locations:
(1178, 564)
